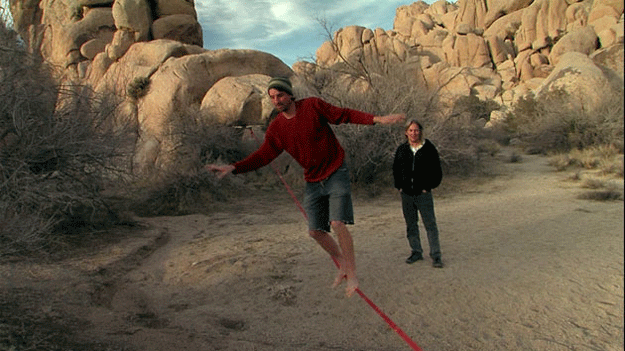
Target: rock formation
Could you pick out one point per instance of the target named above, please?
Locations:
(506, 47)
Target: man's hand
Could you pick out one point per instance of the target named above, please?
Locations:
(221, 171)
(390, 119)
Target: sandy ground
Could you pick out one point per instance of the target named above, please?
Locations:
(528, 266)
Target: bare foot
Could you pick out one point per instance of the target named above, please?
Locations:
(339, 278)
(352, 283)
(352, 286)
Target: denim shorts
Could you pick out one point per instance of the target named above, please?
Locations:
(329, 200)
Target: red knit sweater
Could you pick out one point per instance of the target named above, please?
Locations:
(307, 137)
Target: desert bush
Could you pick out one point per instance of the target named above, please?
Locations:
(552, 124)
(174, 194)
(57, 151)
(184, 187)
(474, 106)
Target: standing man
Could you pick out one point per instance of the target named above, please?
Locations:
(302, 128)
(417, 170)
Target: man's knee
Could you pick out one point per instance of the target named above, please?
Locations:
(316, 234)
(337, 225)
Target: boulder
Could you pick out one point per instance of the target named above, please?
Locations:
(506, 26)
(467, 51)
(62, 41)
(577, 16)
(583, 40)
(587, 85)
(175, 7)
(501, 8)
(543, 21)
(358, 45)
(238, 100)
(443, 13)
(181, 27)
(406, 16)
(472, 13)
(91, 48)
(611, 58)
(122, 40)
(134, 16)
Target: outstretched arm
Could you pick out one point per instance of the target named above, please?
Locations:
(221, 170)
(390, 119)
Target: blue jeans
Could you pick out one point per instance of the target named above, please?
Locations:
(329, 200)
(422, 203)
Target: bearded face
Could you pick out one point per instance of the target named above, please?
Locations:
(280, 100)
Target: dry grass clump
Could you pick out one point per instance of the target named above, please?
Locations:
(602, 195)
(606, 159)
(596, 169)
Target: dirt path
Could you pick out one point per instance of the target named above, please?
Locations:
(528, 266)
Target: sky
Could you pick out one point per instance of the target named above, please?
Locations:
(291, 29)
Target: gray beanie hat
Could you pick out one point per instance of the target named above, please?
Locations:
(282, 84)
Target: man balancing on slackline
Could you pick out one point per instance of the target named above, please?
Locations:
(302, 128)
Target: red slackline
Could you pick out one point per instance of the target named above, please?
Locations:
(388, 320)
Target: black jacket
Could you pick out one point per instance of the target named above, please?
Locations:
(415, 173)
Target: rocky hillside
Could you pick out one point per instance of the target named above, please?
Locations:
(495, 49)
(149, 53)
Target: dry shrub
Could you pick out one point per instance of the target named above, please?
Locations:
(602, 195)
(186, 187)
(592, 183)
(561, 162)
(515, 158)
(57, 152)
(174, 194)
(554, 124)
(183, 187)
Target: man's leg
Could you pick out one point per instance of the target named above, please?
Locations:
(328, 243)
(347, 269)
